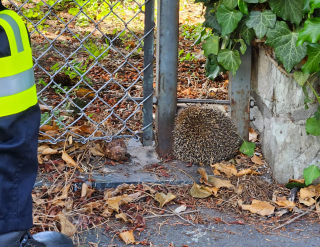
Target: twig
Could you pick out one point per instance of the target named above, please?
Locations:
(178, 214)
(278, 67)
(167, 215)
(295, 218)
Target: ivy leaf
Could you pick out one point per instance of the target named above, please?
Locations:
(306, 7)
(243, 6)
(310, 31)
(231, 4)
(283, 40)
(247, 148)
(300, 78)
(314, 4)
(288, 10)
(211, 45)
(213, 68)
(203, 32)
(246, 33)
(311, 173)
(312, 65)
(255, 1)
(212, 22)
(243, 47)
(313, 126)
(230, 60)
(228, 19)
(261, 21)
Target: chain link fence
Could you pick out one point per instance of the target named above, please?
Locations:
(91, 59)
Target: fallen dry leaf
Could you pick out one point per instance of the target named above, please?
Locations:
(49, 151)
(198, 191)
(107, 212)
(92, 205)
(253, 135)
(163, 198)
(259, 207)
(203, 174)
(180, 209)
(286, 204)
(127, 237)
(87, 93)
(123, 217)
(70, 161)
(96, 152)
(220, 183)
(214, 190)
(229, 170)
(107, 194)
(216, 172)
(247, 171)
(148, 188)
(308, 201)
(257, 160)
(37, 201)
(84, 190)
(308, 192)
(114, 202)
(66, 226)
(213, 181)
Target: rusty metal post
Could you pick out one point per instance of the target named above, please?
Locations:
(148, 73)
(239, 95)
(167, 73)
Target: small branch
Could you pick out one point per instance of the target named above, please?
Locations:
(278, 67)
(167, 215)
(178, 214)
(295, 218)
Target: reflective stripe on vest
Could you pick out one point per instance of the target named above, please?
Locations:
(17, 83)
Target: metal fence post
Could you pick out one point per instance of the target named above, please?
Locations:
(148, 73)
(239, 95)
(167, 66)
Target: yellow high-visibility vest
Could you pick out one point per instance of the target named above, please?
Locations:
(17, 83)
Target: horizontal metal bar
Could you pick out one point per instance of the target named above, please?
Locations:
(180, 100)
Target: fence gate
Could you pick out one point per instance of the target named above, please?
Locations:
(91, 57)
(94, 66)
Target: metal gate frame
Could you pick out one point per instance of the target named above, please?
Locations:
(166, 88)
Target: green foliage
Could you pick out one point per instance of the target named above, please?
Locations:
(312, 65)
(295, 185)
(230, 59)
(261, 21)
(228, 19)
(311, 173)
(247, 148)
(290, 27)
(300, 78)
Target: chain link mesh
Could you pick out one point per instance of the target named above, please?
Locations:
(88, 61)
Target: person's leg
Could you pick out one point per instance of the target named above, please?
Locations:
(18, 168)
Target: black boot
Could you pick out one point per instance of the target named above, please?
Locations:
(44, 239)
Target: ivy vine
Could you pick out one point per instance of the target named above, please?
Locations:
(290, 27)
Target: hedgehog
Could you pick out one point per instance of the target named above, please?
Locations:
(204, 136)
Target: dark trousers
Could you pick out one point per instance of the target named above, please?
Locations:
(18, 168)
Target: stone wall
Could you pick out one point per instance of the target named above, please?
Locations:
(280, 119)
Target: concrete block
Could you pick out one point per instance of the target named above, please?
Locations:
(280, 119)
